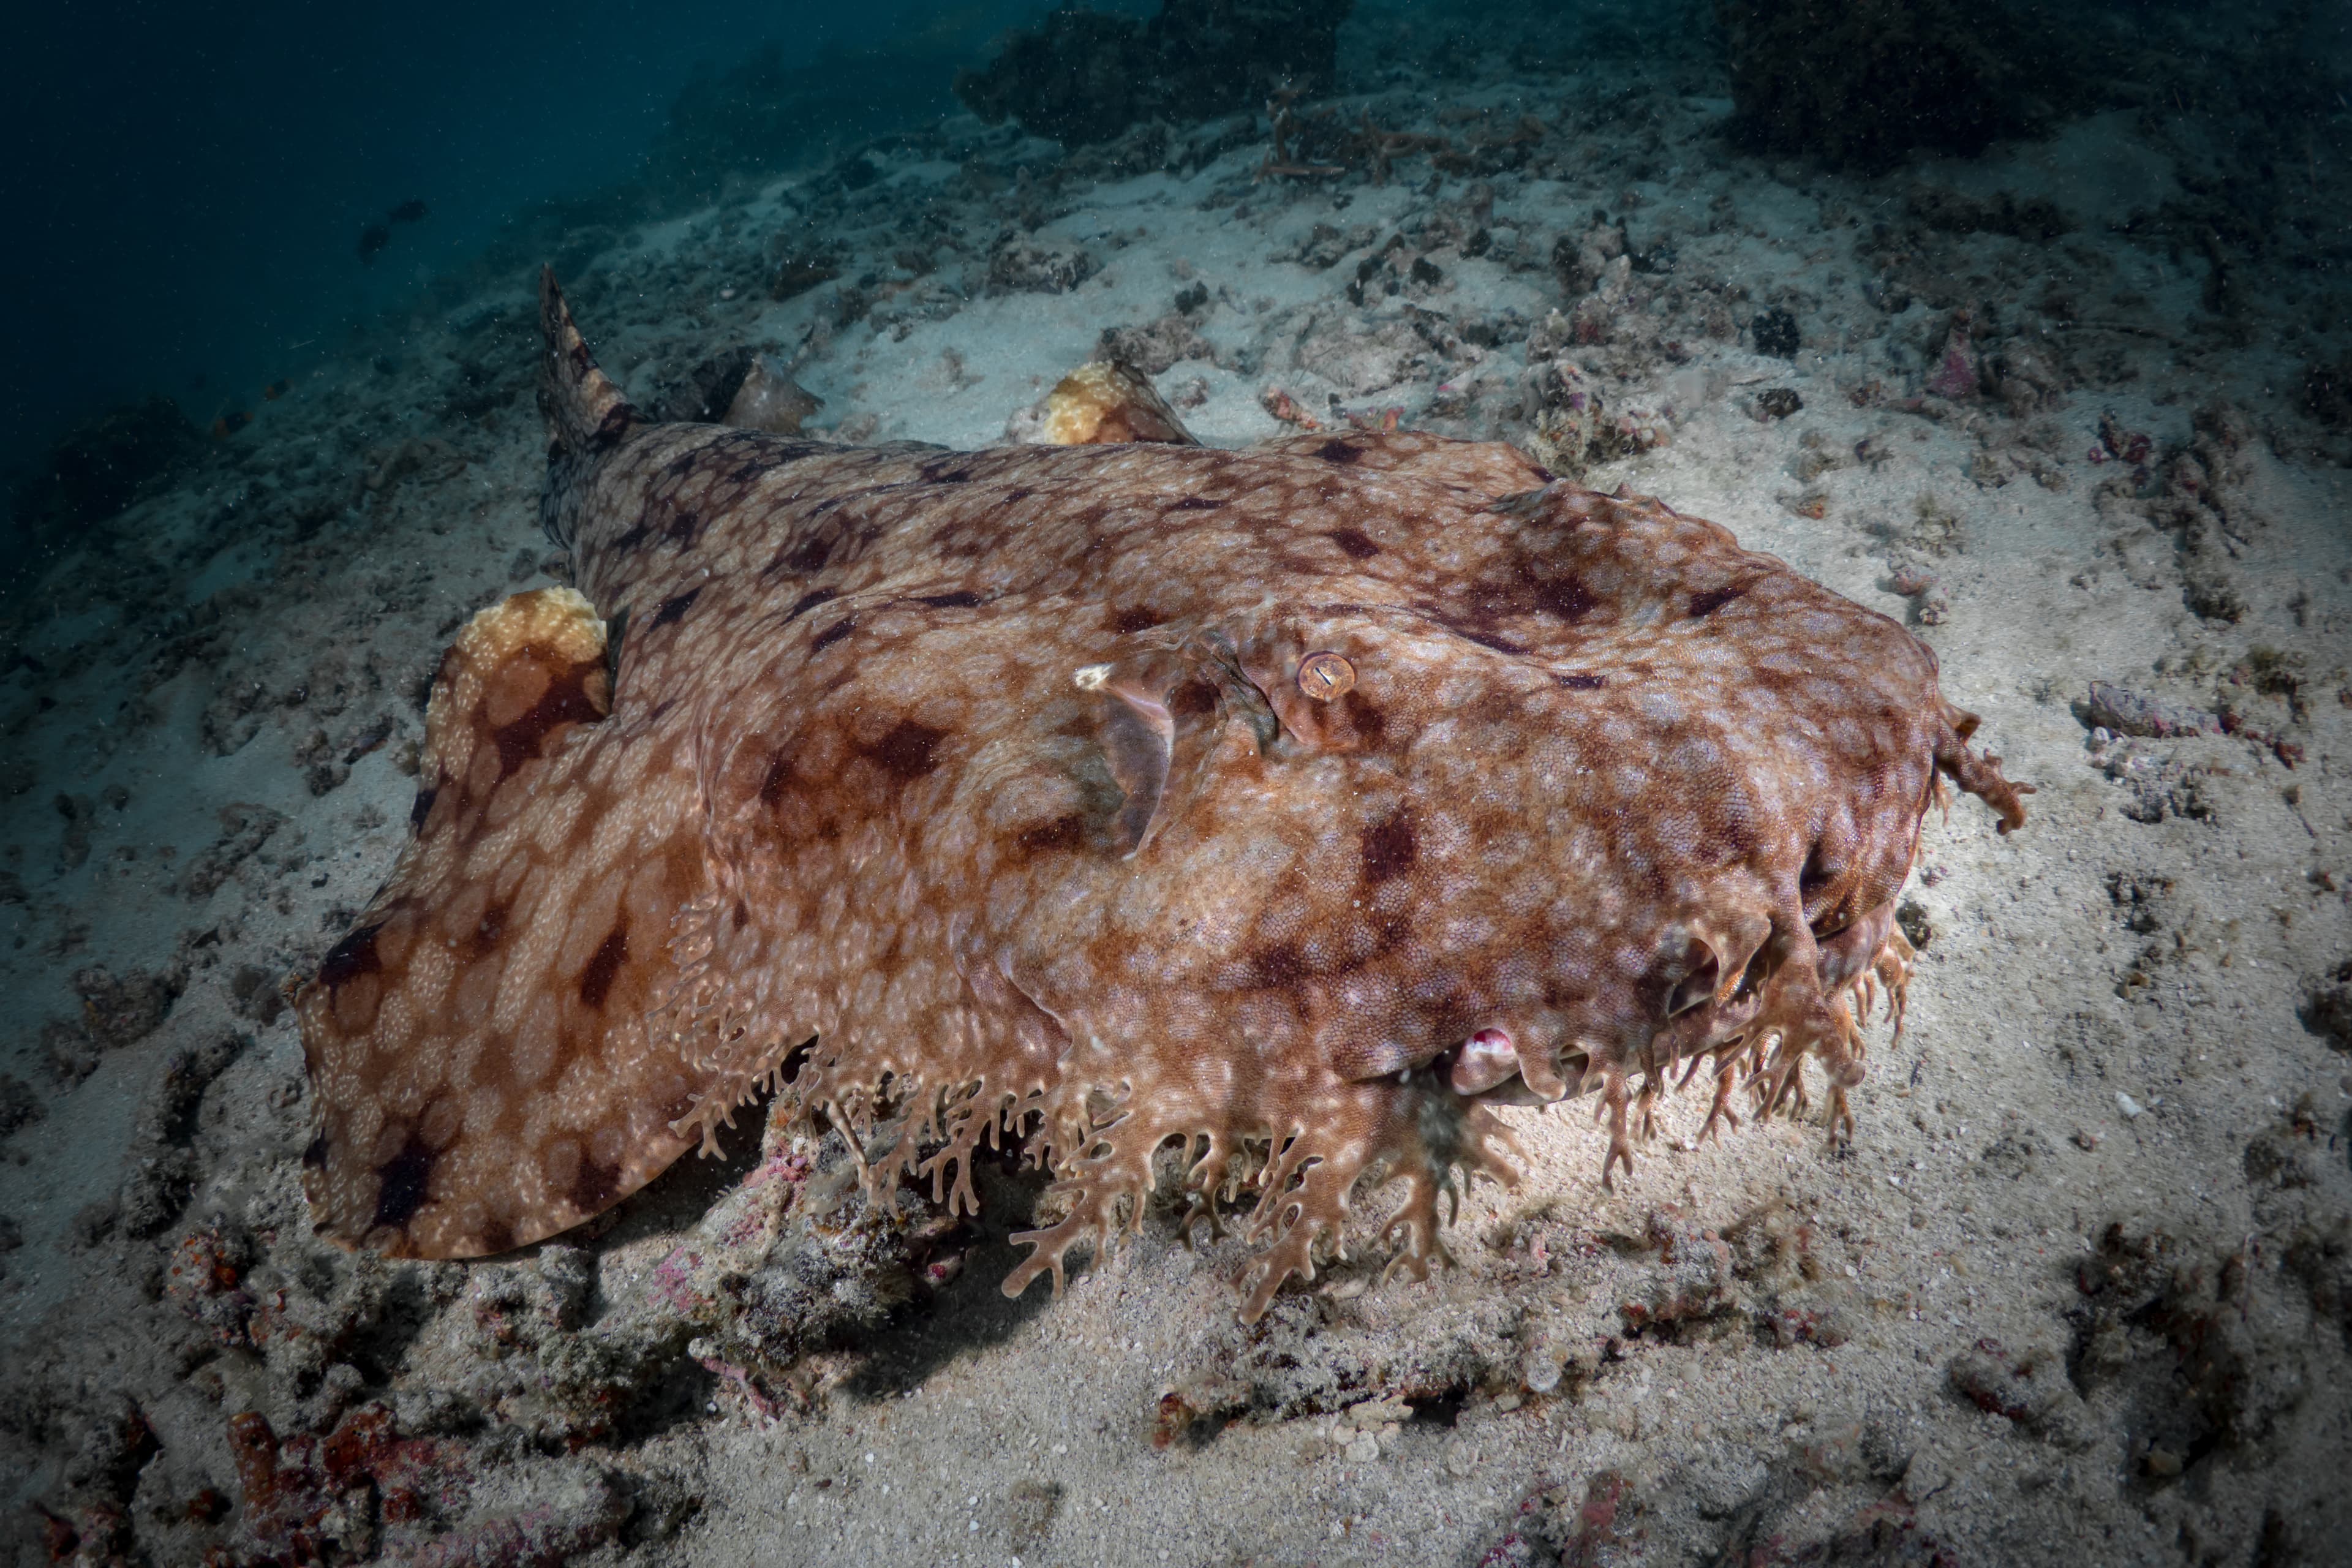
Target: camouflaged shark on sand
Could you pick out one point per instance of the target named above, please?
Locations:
(1282, 808)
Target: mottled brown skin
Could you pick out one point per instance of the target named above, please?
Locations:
(1283, 806)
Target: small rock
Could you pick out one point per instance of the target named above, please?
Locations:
(1022, 267)
(1775, 332)
(702, 395)
(19, 1105)
(2131, 1107)
(770, 399)
(2327, 1007)
(798, 273)
(2126, 712)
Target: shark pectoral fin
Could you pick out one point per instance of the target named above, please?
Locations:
(482, 1068)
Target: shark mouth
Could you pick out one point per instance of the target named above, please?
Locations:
(1855, 964)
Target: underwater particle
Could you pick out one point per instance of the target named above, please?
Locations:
(1035, 696)
(1775, 332)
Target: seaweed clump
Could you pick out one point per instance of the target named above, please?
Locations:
(1085, 76)
(1859, 83)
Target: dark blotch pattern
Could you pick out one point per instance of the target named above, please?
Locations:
(809, 555)
(1495, 640)
(777, 782)
(1714, 599)
(1062, 833)
(593, 1187)
(596, 980)
(1274, 967)
(565, 702)
(401, 1183)
(1390, 848)
(672, 609)
(348, 959)
(484, 938)
(1564, 596)
(810, 601)
(907, 752)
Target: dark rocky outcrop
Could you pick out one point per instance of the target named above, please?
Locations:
(1085, 76)
(1859, 83)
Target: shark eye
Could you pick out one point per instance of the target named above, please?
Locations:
(1325, 676)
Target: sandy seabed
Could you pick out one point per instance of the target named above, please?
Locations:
(2079, 1290)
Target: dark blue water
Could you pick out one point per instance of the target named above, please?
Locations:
(201, 201)
(187, 187)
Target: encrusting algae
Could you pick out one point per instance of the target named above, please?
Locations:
(1292, 805)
